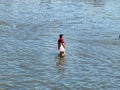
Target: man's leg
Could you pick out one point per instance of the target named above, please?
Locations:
(62, 54)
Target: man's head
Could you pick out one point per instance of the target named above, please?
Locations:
(61, 35)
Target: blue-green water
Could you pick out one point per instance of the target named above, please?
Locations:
(29, 30)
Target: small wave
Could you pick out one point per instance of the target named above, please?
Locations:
(107, 42)
(3, 23)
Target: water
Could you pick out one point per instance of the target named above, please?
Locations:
(29, 30)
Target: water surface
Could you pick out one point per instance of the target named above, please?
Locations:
(29, 30)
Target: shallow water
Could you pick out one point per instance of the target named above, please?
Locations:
(29, 30)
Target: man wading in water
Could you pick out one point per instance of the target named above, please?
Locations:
(61, 45)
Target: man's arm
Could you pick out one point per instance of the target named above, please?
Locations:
(58, 46)
(63, 44)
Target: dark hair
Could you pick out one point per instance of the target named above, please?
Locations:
(61, 35)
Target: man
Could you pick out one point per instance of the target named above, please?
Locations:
(61, 45)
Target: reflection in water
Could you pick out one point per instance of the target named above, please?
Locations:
(60, 63)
